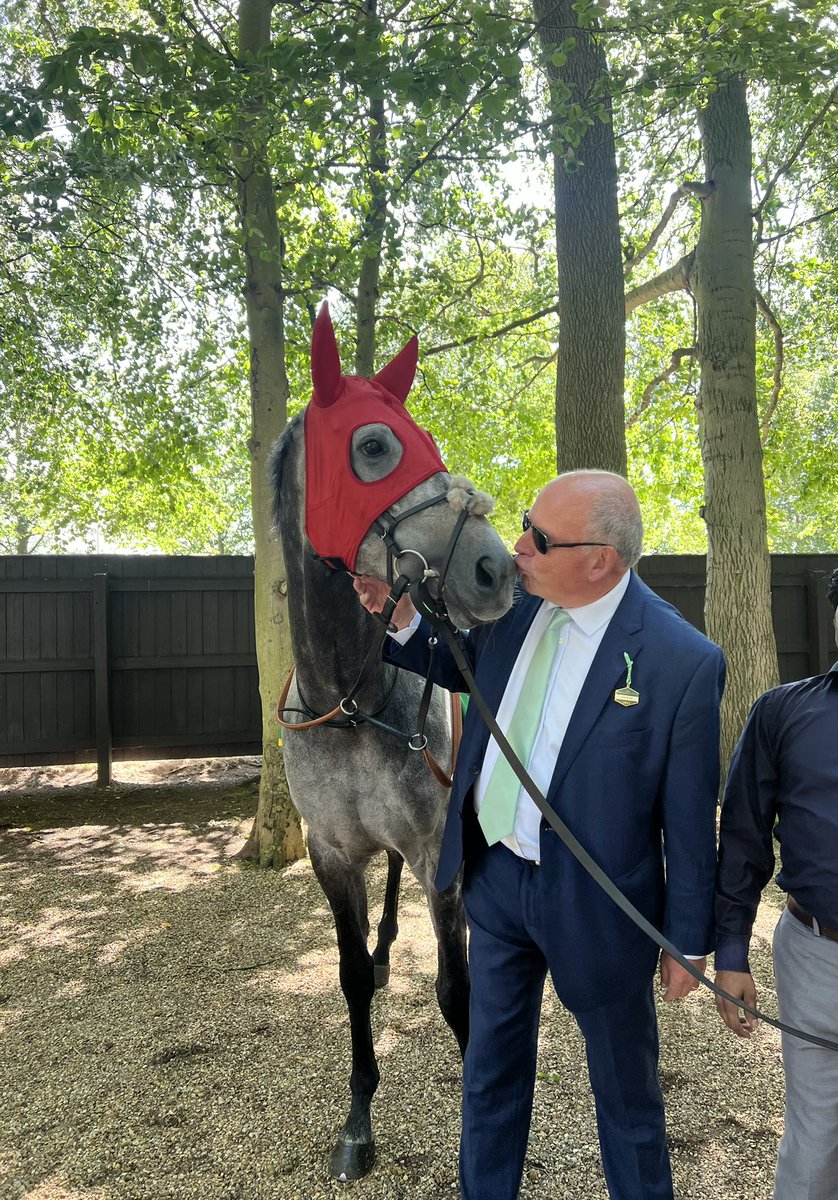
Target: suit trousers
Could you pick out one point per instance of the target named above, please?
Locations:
(508, 912)
(806, 973)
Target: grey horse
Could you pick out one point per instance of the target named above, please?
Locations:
(360, 789)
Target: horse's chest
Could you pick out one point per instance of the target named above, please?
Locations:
(359, 796)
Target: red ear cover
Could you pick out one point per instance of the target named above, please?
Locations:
(326, 374)
(397, 377)
(340, 507)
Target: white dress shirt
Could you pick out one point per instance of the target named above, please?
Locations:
(578, 643)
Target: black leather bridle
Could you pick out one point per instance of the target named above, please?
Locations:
(420, 574)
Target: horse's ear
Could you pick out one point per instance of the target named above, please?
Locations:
(326, 374)
(397, 377)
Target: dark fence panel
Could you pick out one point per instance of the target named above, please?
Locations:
(802, 614)
(154, 656)
(126, 657)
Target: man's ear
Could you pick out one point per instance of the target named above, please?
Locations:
(603, 562)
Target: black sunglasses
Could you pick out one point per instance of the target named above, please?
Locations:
(541, 543)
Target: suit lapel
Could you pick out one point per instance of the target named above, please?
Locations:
(607, 672)
(508, 638)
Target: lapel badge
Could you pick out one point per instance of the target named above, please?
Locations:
(627, 695)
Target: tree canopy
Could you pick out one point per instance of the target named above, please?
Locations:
(124, 363)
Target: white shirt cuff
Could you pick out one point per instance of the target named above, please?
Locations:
(404, 635)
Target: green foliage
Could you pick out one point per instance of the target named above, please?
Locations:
(801, 443)
(118, 381)
(122, 152)
(790, 57)
(664, 456)
(489, 398)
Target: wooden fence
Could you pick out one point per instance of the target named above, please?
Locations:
(126, 657)
(802, 613)
(130, 657)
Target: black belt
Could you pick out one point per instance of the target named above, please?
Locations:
(806, 918)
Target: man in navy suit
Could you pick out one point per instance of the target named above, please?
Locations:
(626, 750)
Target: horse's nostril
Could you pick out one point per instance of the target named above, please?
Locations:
(485, 574)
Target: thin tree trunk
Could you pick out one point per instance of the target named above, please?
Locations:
(276, 837)
(738, 598)
(22, 533)
(590, 403)
(374, 228)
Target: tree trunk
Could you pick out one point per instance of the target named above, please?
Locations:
(22, 533)
(738, 599)
(590, 403)
(373, 233)
(276, 837)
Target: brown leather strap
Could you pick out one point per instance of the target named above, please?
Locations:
(456, 728)
(437, 771)
(456, 738)
(280, 706)
(447, 781)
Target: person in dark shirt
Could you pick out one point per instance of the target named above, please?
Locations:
(783, 784)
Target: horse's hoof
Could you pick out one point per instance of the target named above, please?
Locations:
(352, 1160)
(381, 974)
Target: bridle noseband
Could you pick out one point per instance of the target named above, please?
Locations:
(386, 526)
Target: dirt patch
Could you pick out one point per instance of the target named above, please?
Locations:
(172, 1026)
(175, 789)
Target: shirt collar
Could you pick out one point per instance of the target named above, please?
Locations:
(591, 617)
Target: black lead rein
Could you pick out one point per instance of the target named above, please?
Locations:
(433, 609)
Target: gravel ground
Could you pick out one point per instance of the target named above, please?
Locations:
(172, 1025)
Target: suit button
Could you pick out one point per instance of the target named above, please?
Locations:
(475, 768)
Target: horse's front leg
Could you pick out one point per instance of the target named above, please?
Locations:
(388, 927)
(452, 980)
(343, 884)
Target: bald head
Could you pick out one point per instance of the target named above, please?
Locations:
(594, 533)
(612, 507)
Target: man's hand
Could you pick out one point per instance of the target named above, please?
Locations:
(675, 979)
(741, 985)
(373, 593)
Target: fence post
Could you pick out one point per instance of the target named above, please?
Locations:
(819, 622)
(101, 677)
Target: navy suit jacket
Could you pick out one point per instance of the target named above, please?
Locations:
(638, 786)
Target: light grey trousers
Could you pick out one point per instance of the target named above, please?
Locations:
(806, 973)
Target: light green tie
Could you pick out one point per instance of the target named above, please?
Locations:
(500, 800)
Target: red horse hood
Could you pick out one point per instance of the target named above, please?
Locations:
(340, 508)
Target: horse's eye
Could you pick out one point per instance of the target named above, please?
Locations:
(373, 448)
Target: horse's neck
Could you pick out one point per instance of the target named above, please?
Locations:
(330, 636)
(330, 631)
